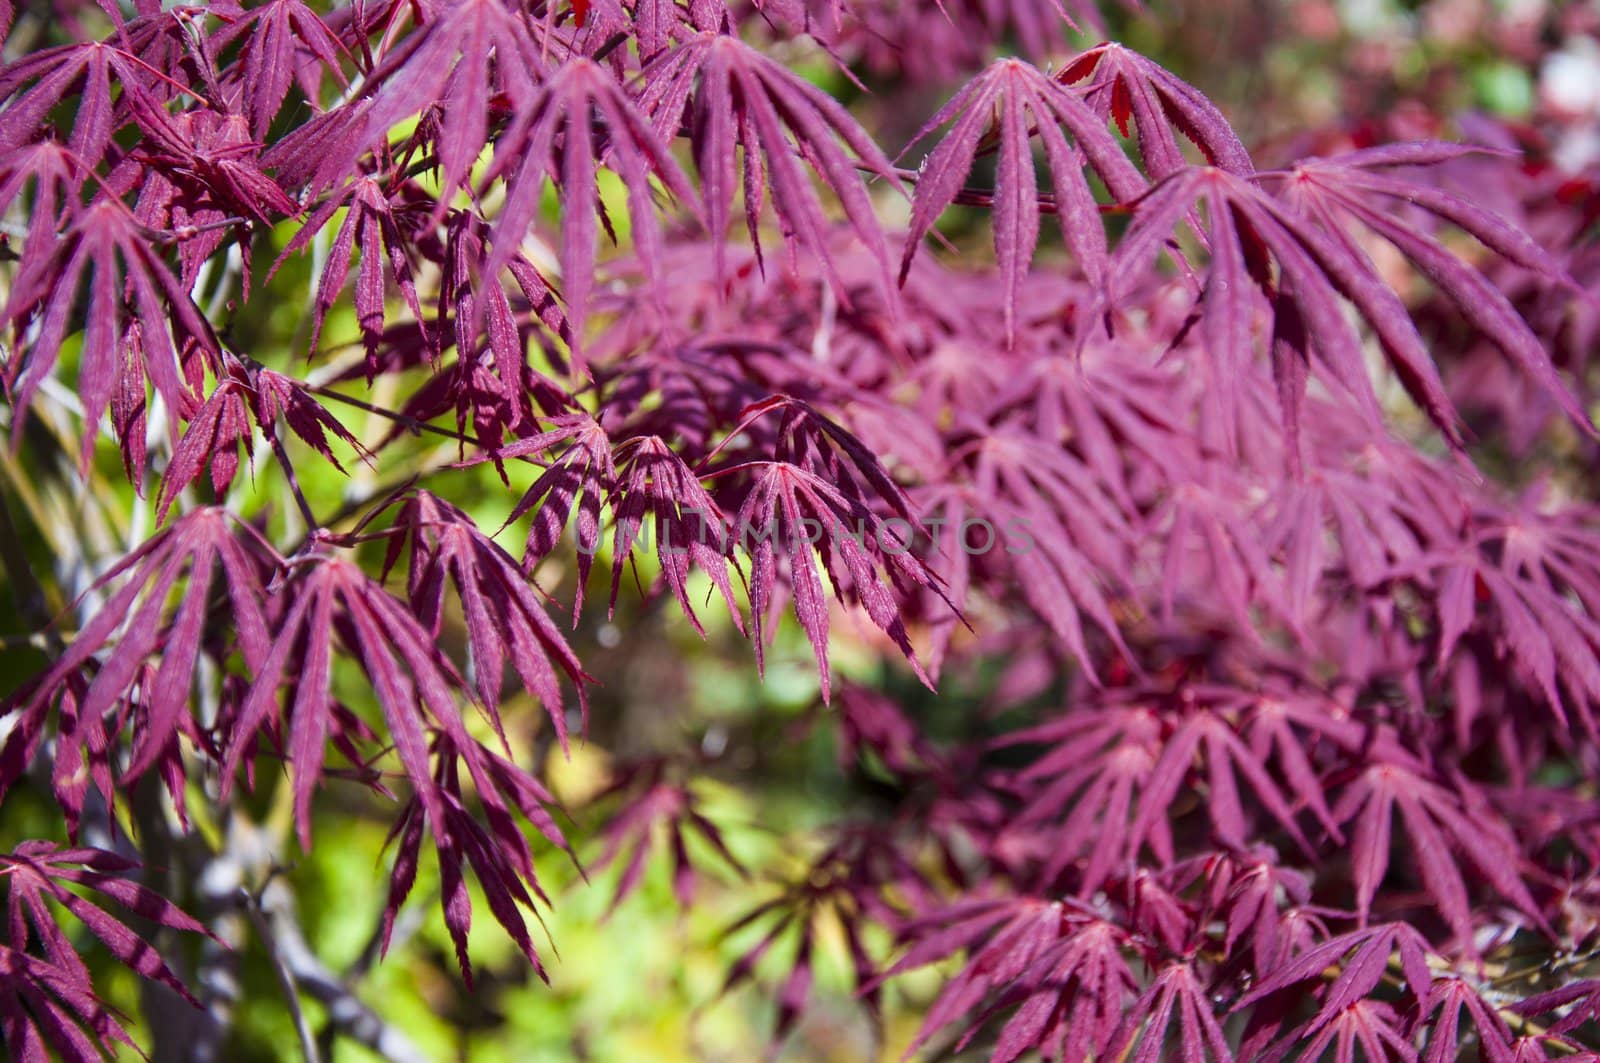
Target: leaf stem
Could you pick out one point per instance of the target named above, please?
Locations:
(398, 418)
(286, 979)
(294, 482)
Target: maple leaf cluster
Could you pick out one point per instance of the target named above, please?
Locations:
(1241, 521)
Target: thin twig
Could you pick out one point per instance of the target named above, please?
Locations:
(286, 979)
(294, 481)
(398, 418)
(347, 1014)
(984, 197)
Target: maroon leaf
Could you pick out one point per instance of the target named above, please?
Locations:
(370, 222)
(552, 136)
(38, 872)
(655, 809)
(92, 71)
(278, 36)
(733, 97)
(465, 55)
(133, 623)
(46, 290)
(1439, 826)
(1028, 102)
(505, 619)
(1122, 85)
(1067, 970)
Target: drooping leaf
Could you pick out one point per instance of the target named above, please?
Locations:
(788, 514)
(1122, 86)
(103, 77)
(1362, 957)
(370, 223)
(506, 621)
(1175, 999)
(582, 475)
(468, 59)
(324, 598)
(1441, 830)
(734, 98)
(1066, 969)
(656, 810)
(1028, 103)
(1354, 186)
(688, 525)
(104, 666)
(38, 874)
(106, 250)
(279, 37)
(553, 136)
(247, 396)
(1247, 228)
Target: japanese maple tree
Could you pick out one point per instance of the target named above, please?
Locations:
(1198, 592)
